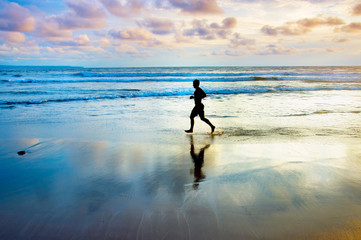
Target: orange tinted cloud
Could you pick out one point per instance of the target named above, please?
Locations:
(49, 28)
(80, 15)
(277, 50)
(158, 26)
(69, 21)
(356, 11)
(203, 30)
(319, 21)
(80, 40)
(302, 26)
(105, 42)
(120, 9)
(86, 9)
(230, 22)
(353, 27)
(197, 6)
(124, 48)
(14, 37)
(133, 34)
(15, 18)
(237, 41)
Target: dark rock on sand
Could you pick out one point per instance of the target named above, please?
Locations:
(21, 152)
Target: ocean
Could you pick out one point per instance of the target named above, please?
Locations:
(241, 100)
(39, 85)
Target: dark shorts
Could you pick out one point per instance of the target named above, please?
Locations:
(197, 110)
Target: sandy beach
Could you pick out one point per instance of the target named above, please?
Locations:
(74, 189)
(282, 165)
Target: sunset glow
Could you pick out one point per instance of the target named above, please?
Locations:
(180, 32)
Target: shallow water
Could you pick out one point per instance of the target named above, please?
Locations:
(68, 188)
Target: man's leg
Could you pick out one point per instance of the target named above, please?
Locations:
(194, 113)
(192, 125)
(204, 119)
(208, 122)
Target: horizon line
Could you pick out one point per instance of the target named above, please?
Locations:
(179, 66)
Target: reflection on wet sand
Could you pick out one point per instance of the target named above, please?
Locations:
(102, 190)
(198, 160)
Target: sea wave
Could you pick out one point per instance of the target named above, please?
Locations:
(152, 74)
(138, 93)
(175, 78)
(23, 92)
(130, 80)
(149, 74)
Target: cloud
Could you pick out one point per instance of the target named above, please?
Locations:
(234, 53)
(238, 41)
(319, 21)
(277, 50)
(139, 35)
(133, 34)
(286, 29)
(12, 37)
(205, 31)
(16, 18)
(197, 6)
(229, 52)
(253, 1)
(227, 23)
(86, 9)
(302, 26)
(105, 42)
(120, 9)
(80, 40)
(158, 26)
(125, 48)
(75, 23)
(319, 1)
(333, 50)
(273, 49)
(269, 49)
(200, 29)
(353, 27)
(340, 40)
(50, 28)
(356, 11)
(4, 47)
(80, 15)
(279, 1)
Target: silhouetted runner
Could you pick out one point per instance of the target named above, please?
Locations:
(198, 109)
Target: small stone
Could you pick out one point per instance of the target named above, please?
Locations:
(21, 152)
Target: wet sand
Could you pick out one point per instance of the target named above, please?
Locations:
(181, 187)
(280, 166)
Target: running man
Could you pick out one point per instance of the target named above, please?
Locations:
(198, 109)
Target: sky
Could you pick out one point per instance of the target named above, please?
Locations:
(146, 33)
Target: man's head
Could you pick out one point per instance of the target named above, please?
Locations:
(196, 83)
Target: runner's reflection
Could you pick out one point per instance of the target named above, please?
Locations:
(198, 160)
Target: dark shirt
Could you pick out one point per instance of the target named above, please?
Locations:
(198, 95)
